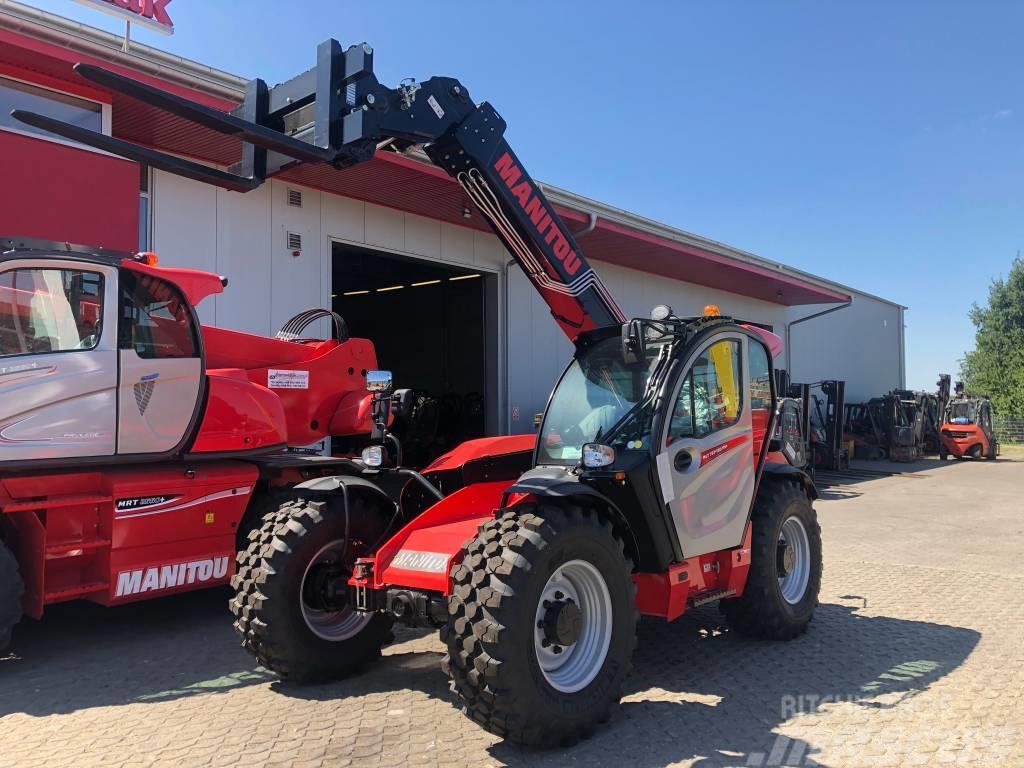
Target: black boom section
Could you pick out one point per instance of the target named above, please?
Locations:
(339, 114)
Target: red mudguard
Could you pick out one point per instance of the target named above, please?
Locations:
(421, 555)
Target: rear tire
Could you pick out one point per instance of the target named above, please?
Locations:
(283, 629)
(11, 590)
(781, 593)
(505, 606)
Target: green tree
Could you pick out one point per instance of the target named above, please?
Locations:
(996, 365)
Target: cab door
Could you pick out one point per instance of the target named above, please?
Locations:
(706, 465)
(58, 360)
(162, 378)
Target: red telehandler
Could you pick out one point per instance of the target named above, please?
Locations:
(137, 448)
(657, 482)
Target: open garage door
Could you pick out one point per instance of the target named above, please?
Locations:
(434, 327)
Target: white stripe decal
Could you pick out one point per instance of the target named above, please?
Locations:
(244, 490)
(481, 194)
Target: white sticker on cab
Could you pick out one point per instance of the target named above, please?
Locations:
(280, 379)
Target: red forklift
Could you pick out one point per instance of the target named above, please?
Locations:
(656, 483)
(967, 427)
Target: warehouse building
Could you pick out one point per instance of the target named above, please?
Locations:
(393, 245)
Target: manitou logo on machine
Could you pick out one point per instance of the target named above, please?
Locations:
(160, 577)
(542, 219)
(429, 562)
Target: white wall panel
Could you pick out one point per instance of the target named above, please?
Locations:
(862, 345)
(457, 244)
(185, 228)
(423, 236)
(245, 237)
(296, 281)
(488, 251)
(343, 218)
(385, 227)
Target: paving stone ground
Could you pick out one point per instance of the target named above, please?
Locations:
(915, 657)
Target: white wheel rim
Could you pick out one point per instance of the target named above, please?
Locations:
(333, 626)
(794, 537)
(573, 667)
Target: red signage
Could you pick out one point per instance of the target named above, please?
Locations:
(148, 13)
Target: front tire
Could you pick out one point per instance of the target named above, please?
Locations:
(542, 624)
(782, 587)
(11, 590)
(283, 614)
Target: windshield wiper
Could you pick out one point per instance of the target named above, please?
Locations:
(652, 381)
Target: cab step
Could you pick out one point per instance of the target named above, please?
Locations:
(55, 502)
(59, 595)
(76, 548)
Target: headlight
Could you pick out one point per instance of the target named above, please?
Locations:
(596, 455)
(373, 456)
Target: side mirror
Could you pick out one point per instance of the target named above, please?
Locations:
(378, 381)
(596, 455)
(633, 343)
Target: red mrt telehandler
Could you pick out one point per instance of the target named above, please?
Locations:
(656, 482)
(137, 448)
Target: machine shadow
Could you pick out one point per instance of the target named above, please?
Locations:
(82, 655)
(699, 692)
(836, 493)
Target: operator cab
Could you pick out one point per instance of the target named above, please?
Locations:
(688, 400)
(99, 356)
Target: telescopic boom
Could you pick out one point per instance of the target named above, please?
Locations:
(343, 116)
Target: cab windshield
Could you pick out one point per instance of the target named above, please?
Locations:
(593, 400)
(961, 413)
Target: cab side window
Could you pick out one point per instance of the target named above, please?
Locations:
(760, 376)
(710, 397)
(50, 310)
(155, 320)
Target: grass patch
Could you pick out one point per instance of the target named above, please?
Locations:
(1012, 450)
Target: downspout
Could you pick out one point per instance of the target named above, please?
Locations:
(789, 352)
(591, 226)
(506, 420)
(505, 400)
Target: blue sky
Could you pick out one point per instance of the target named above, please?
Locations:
(875, 143)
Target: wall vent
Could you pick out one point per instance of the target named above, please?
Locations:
(295, 198)
(294, 241)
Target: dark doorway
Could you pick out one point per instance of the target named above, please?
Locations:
(431, 326)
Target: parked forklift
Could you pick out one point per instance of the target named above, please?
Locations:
(934, 407)
(656, 483)
(888, 427)
(827, 409)
(967, 427)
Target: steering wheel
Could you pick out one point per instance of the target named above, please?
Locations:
(572, 435)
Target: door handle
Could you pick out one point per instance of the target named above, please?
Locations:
(682, 461)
